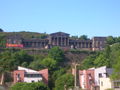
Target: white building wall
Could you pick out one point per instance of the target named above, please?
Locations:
(29, 80)
(101, 70)
(82, 81)
(105, 83)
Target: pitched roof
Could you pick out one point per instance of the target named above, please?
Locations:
(59, 33)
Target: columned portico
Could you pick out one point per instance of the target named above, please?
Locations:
(59, 39)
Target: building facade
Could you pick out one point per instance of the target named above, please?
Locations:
(60, 39)
(86, 78)
(29, 75)
(96, 79)
(102, 72)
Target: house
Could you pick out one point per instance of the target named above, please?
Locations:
(29, 75)
(105, 83)
(102, 72)
(86, 78)
(96, 79)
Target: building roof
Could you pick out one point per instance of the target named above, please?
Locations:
(59, 34)
(35, 40)
(99, 38)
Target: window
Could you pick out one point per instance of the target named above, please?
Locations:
(32, 81)
(107, 75)
(32, 75)
(18, 75)
(100, 75)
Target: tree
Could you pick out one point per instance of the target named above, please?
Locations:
(74, 37)
(6, 61)
(36, 63)
(1, 30)
(65, 80)
(49, 63)
(58, 73)
(101, 60)
(110, 40)
(17, 86)
(83, 37)
(21, 57)
(116, 69)
(2, 71)
(88, 62)
(57, 54)
(2, 41)
(29, 86)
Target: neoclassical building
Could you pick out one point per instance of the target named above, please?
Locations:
(60, 39)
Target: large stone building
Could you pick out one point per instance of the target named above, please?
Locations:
(60, 39)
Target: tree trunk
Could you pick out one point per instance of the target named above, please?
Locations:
(2, 79)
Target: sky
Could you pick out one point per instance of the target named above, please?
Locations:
(76, 17)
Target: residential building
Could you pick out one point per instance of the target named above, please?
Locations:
(96, 78)
(29, 75)
(105, 83)
(102, 72)
(86, 78)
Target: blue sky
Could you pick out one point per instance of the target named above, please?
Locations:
(76, 17)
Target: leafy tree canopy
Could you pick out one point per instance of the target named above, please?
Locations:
(57, 54)
(29, 86)
(64, 81)
(83, 37)
(49, 63)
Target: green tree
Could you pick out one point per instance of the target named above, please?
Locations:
(29, 86)
(17, 86)
(88, 62)
(2, 41)
(65, 80)
(6, 61)
(49, 63)
(110, 40)
(101, 60)
(58, 73)
(21, 58)
(74, 37)
(36, 63)
(57, 54)
(116, 69)
(83, 37)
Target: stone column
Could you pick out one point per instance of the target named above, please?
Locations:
(78, 45)
(68, 41)
(85, 45)
(53, 42)
(40, 44)
(64, 41)
(32, 44)
(81, 44)
(57, 41)
(61, 41)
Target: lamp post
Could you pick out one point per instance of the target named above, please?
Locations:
(75, 83)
